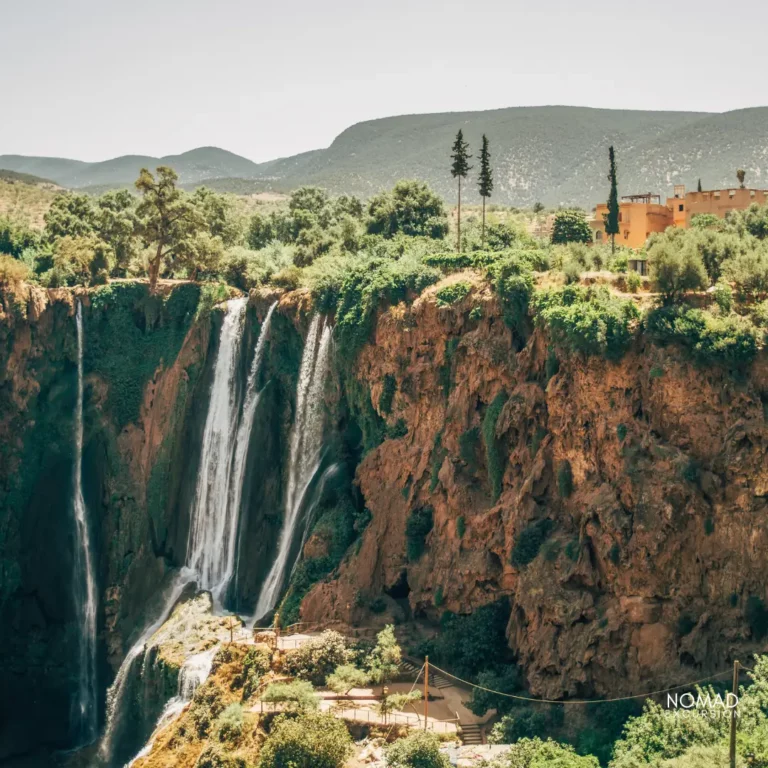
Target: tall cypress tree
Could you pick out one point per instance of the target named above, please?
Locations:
(485, 182)
(459, 170)
(700, 185)
(612, 217)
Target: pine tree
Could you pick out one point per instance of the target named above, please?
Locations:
(699, 186)
(612, 217)
(459, 170)
(485, 182)
(741, 174)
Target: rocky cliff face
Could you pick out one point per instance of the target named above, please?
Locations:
(620, 507)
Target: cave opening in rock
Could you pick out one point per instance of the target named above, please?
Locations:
(400, 589)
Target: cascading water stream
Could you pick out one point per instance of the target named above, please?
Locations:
(305, 454)
(210, 550)
(84, 579)
(243, 439)
(193, 673)
(218, 495)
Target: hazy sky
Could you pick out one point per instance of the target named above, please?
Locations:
(92, 79)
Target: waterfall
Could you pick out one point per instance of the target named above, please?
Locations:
(305, 454)
(210, 550)
(116, 692)
(193, 673)
(218, 494)
(84, 579)
(243, 439)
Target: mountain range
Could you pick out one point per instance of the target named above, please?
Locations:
(555, 155)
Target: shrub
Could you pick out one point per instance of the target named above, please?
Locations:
(420, 749)
(512, 279)
(309, 741)
(315, 659)
(621, 432)
(476, 313)
(685, 625)
(564, 479)
(417, 528)
(538, 436)
(450, 294)
(526, 723)
(723, 296)
(229, 726)
(397, 430)
(461, 526)
(535, 753)
(634, 281)
(207, 705)
(731, 340)
(529, 542)
(505, 680)
(298, 695)
(388, 391)
(216, 756)
(571, 227)
(384, 660)
(552, 365)
(288, 278)
(614, 553)
(589, 320)
(748, 271)
(494, 456)
(436, 460)
(345, 678)
(12, 270)
(438, 601)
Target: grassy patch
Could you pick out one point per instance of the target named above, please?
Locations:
(494, 455)
(417, 528)
(450, 294)
(529, 542)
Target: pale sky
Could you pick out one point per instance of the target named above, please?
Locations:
(92, 79)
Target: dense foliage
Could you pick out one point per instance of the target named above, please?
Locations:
(309, 741)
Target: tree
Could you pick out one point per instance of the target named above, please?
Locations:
(115, 223)
(676, 268)
(345, 678)
(571, 227)
(699, 187)
(397, 702)
(219, 214)
(83, 260)
(411, 208)
(168, 220)
(459, 170)
(421, 749)
(535, 753)
(16, 236)
(309, 741)
(485, 181)
(69, 215)
(298, 695)
(12, 271)
(741, 174)
(612, 217)
(384, 661)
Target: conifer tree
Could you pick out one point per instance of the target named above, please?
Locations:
(459, 170)
(485, 182)
(699, 189)
(741, 174)
(612, 217)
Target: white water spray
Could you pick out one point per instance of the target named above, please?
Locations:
(84, 580)
(210, 550)
(305, 455)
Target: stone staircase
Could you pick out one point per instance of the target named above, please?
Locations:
(471, 733)
(436, 680)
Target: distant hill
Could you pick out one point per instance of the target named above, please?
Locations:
(554, 155)
(25, 178)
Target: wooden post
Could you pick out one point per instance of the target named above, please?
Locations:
(733, 713)
(426, 691)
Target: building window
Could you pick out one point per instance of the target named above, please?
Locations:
(598, 235)
(626, 234)
(731, 193)
(717, 195)
(681, 207)
(621, 218)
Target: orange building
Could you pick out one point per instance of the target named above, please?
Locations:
(685, 205)
(639, 217)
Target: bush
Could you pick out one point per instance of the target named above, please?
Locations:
(535, 753)
(528, 723)
(512, 279)
(494, 456)
(589, 320)
(345, 678)
(207, 704)
(298, 695)
(450, 294)
(420, 749)
(529, 542)
(216, 756)
(417, 528)
(748, 271)
(11, 270)
(384, 660)
(468, 444)
(229, 726)
(505, 680)
(634, 281)
(756, 615)
(317, 658)
(571, 227)
(461, 526)
(731, 341)
(309, 741)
